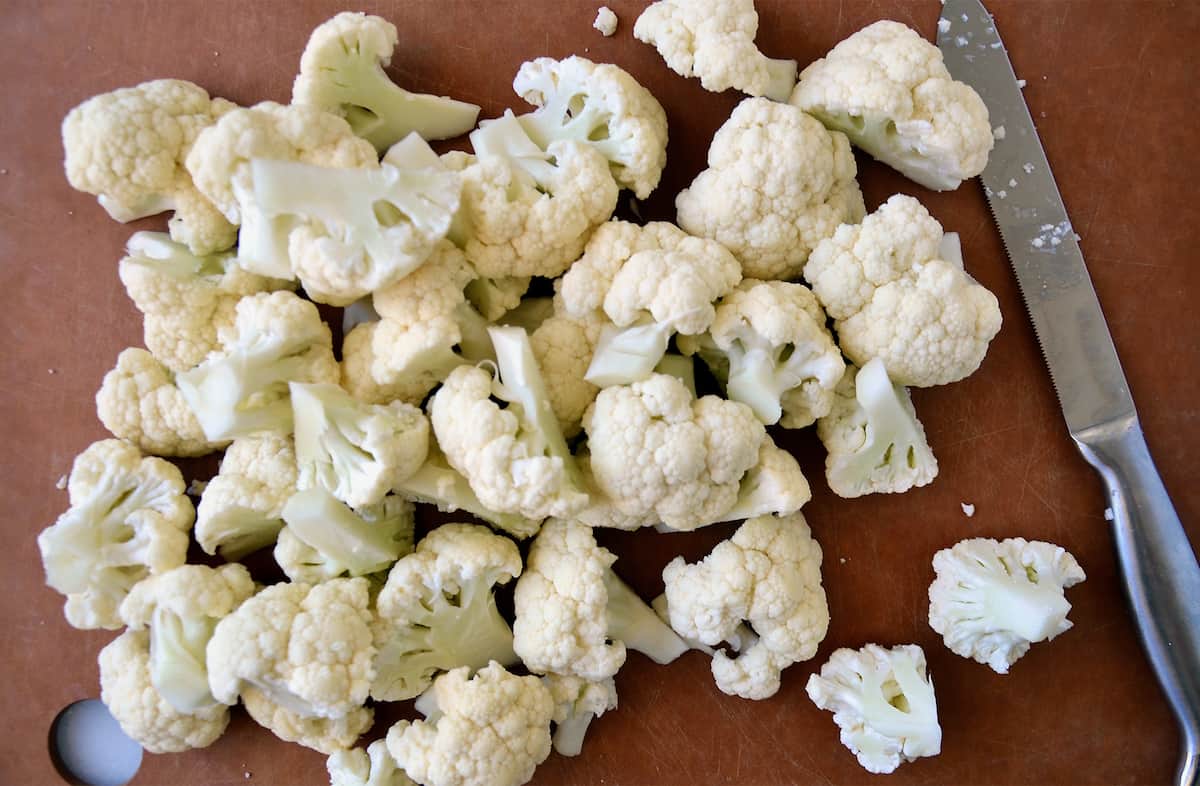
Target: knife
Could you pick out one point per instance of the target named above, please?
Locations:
(1159, 568)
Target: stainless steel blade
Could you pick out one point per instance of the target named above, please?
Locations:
(1037, 232)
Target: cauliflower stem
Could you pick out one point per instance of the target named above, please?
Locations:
(632, 621)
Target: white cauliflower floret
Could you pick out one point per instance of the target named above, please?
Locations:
(876, 444)
(139, 402)
(490, 730)
(563, 346)
(657, 449)
(777, 184)
(574, 616)
(307, 648)
(327, 735)
(341, 71)
(992, 599)
(883, 703)
(515, 458)
(129, 518)
(896, 289)
(148, 718)
(576, 703)
(768, 575)
(770, 346)
(495, 297)
(275, 339)
(127, 147)
(714, 40)
(324, 539)
(605, 22)
(241, 508)
(887, 89)
(371, 767)
(185, 299)
(438, 612)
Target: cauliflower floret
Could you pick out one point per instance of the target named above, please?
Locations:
(576, 703)
(515, 458)
(139, 402)
(438, 611)
(490, 730)
(876, 444)
(657, 449)
(341, 71)
(327, 735)
(275, 339)
(307, 648)
(992, 599)
(324, 539)
(777, 184)
(714, 40)
(769, 575)
(883, 703)
(574, 616)
(563, 346)
(896, 289)
(769, 344)
(887, 89)
(126, 688)
(241, 508)
(127, 147)
(129, 518)
(371, 767)
(495, 297)
(605, 22)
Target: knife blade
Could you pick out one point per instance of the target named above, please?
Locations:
(1160, 571)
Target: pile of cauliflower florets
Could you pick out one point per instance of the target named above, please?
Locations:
(510, 351)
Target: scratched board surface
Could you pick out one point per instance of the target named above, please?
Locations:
(1113, 88)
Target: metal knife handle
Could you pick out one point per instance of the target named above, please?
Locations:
(1160, 570)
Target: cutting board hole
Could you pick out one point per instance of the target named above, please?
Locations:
(88, 747)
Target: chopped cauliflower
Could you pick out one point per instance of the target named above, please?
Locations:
(992, 599)
(777, 184)
(563, 346)
(371, 767)
(324, 539)
(576, 703)
(327, 735)
(605, 22)
(241, 508)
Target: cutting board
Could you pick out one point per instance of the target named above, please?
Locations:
(1113, 87)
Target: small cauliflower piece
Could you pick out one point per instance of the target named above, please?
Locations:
(307, 648)
(490, 730)
(576, 703)
(275, 339)
(341, 71)
(876, 444)
(495, 297)
(777, 184)
(575, 617)
(883, 703)
(992, 599)
(149, 719)
(769, 344)
(691, 454)
(887, 89)
(515, 458)
(605, 22)
(129, 518)
(241, 508)
(371, 767)
(714, 40)
(324, 539)
(896, 289)
(768, 575)
(326, 735)
(139, 402)
(184, 298)
(438, 612)
(128, 147)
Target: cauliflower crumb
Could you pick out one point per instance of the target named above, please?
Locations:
(62, 483)
(842, 560)
(3, 171)
(606, 21)
(1012, 182)
(51, 371)
(1108, 514)
(943, 25)
(960, 40)
(999, 133)
(1028, 167)
(1021, 83)
(196, 487)
(1002, 194)
(968, 509)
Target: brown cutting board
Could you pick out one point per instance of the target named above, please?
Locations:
(1114, 86)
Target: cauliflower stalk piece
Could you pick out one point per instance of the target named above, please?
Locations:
(128, 519)
(714, 40)
(777, 184)
(341, 71)
(576, 703)
(490, 730)
(438, 611)
(876, 444)
(992, 599)
(887, 89)
(896, 289)
(371, 767)
(327, 735)
(575, 617)
(883, 703)
(515, 458)
(357, 452)
(768, 575)
(276, 338)
(241, 508)
(325, 539)
(128, 147)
